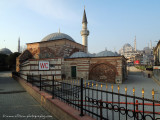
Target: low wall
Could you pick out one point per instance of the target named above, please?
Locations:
(58, 109)
(156, 73)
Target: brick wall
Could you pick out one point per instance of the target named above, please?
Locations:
(55, 48)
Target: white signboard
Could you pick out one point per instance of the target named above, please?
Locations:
(43, 65)
(156, 67)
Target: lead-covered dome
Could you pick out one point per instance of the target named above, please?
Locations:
(127, 45)
(106, 53)
(5, 51)
(57, 36)
(81, 55)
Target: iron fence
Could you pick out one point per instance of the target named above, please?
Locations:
(97, 101)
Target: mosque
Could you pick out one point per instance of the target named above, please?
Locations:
(5, 51)
(68, 59)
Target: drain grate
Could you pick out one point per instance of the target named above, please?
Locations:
(12, 92)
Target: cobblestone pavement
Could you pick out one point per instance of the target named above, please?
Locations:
(17, 104)
(138, 80)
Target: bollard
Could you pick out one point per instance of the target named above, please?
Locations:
(149, 75)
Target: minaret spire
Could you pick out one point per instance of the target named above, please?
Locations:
(19, 45)
(84, 31)
(150, 44)
(84, 17)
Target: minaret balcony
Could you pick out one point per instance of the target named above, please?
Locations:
(84, 32)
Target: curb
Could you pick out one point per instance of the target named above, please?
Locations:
(155, 80)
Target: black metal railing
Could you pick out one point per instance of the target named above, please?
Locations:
(97, 101)
(15, 73)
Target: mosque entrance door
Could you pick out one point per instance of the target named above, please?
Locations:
(73, 72)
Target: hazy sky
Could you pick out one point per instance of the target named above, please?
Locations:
(111, 23)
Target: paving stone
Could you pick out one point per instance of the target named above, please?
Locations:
(18, 106)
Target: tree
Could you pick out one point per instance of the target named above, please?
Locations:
(11, 59)
(3, 58)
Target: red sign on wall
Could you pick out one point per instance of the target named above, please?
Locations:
(136, 62)
(43, 65)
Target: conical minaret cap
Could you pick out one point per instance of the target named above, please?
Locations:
(84, 17)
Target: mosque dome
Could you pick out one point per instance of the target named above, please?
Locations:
(57, 36)
(81, 55)
(146, 48)
(127, 45)
(5, 51)
(106, 53)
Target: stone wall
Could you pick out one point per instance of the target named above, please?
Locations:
(82, 68)
(32, 67)
(104, 69)
(22, 58)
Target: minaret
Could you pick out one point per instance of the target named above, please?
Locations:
(151, 44)
(84, 31)
(135, 49)
(19, 45)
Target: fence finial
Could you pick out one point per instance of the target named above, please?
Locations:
(133, 91)
(88, 84)
(143, 92)
(96, 85)
(92, 84)
(118, 88)
(101, 85)
(126, 90)
(112, 87)
(153, 93)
